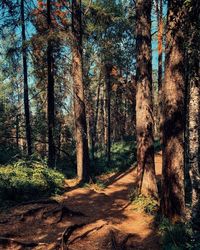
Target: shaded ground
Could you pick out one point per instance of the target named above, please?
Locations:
(82, 219)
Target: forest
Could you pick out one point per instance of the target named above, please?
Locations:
(99, 124)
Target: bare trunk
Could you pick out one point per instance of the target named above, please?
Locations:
(107, 117)
(79, 99)
(50, 94)
(173, 200)
(25, 74)
(159, 9)
(194, 111)
(144, 107)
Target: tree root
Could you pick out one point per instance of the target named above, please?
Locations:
(5, 241)
(80, 237)
(63, 210)
(42, 201)
(68, 232)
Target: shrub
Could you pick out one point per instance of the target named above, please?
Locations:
(178, 236)
(142, 203)
(27, 180)
(123, 155)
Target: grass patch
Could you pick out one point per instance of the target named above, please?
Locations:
(25, 179)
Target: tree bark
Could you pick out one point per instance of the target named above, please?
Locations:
(50, 93)
(82, 153)
(25, 75)
(159, 10)
(107, 118)
(173, 197)
(144, 107)
(194, 110)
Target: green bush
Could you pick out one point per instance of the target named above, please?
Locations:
(178, 236)
(26, 180)
(142, 203)
(123, 155)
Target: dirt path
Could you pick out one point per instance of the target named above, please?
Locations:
(94, 219)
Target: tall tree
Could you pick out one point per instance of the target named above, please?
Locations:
(159, 10)
(82, 153)
(107, 118)
(144, 106)
(50, 91)
(25, 75)
(172, 202)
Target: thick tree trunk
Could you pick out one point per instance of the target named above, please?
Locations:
(25, 74)
(144, 107)
(194, 110)
(79, 99)
(172, 202)
(50, 94)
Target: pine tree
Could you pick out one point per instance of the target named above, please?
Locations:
(144, 107)
(172, 202)
(82, 153)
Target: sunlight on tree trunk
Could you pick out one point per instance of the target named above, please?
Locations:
(144, 107)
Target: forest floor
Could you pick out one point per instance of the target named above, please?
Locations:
(87, 218)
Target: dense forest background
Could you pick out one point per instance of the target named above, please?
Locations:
(95, 87)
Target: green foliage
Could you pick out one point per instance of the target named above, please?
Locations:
(26, 180)
(178, 236)
(123, 155)
(8, 153)
(142, 203)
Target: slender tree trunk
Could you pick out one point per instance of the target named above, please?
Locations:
(159, 10)
(97, 110)
(107, 117)
(50, 93)
(144, 107)
(79, 99)
(173, 200)
(17, 130)
(25, 74)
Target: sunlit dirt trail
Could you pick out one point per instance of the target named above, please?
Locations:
(83, 218)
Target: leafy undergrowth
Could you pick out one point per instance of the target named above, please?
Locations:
(123, 155)
(144, 204)
(178, 236)
(25, 180)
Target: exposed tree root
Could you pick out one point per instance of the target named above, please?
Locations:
(42, 201)
(63, 210)
(9, 241)
(68, 232)
(80, 237)
(119, 245)
(30, 212)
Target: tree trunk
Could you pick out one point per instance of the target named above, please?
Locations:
(107, 117)
(159, 10)
(79, 99)
(194, 111)
(25, 74)
(50, 93)
(97, 110)
(144, 107)
(172, 203)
